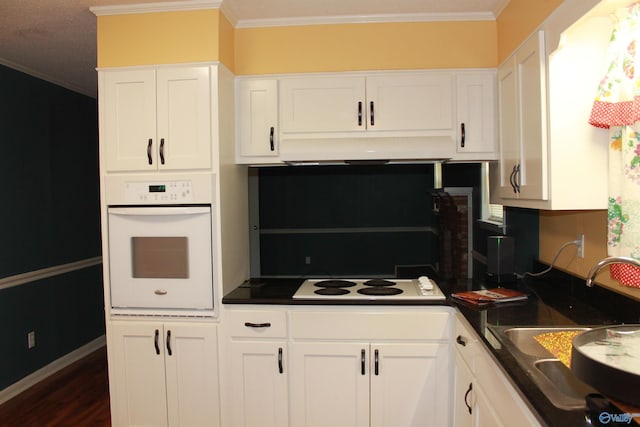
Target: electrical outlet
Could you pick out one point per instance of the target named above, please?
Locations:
(31, 339)
(580, 245)
(307, 260)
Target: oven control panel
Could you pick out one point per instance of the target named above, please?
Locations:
(158, 192)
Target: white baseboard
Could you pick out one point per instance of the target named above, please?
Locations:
(29, 381)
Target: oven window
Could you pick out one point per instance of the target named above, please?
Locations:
(160, 257)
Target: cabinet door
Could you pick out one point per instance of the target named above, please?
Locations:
(259, 384)
(532, 103)
(409, 384)
(137, 374)
(330, 384)
(257, 115)
(129, 120)
(508, 117)
(191, 359)
(417, 102)
(322, 104)
(184, 118)
(464, 395)
(475, 106)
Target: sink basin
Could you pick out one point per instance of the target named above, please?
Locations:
(523, 339)
(554, 379)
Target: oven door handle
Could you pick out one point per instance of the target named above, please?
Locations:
(165, 211)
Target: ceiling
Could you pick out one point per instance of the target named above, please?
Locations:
(56, 39)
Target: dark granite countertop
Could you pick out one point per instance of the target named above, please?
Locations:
(557, 299)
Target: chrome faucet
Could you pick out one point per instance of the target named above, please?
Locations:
(606, 261)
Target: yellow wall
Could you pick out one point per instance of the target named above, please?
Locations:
(207, 35)
(375, 46)
(518, 20)
(159, 38)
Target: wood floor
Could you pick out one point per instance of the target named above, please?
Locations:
(76, 396)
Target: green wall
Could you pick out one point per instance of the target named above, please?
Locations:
(49, 216)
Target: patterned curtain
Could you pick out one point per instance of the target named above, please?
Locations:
(617, 108)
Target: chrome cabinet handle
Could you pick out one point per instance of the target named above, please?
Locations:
(257, 325)
(162, 151)
(463, 135)
(461, 340)
(466, 396)
(155, 341)
(362, 362)
(360, 113)
(149, 157)
(371, 115)
(160, 292)
(271, 142)
(376, 362)
(280, 367)
(169, 343)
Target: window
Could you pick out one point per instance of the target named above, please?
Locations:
(491, 212)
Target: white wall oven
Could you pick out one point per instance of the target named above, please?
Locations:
(160, 250)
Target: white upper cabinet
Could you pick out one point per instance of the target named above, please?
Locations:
(389, 102)
(476, 122)
(156, 119)
(257, 118)
(322, 104)
(523, 131)
(550, 156)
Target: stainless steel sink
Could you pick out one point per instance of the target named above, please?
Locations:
(554, 379)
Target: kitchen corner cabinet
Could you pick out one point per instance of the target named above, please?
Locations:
(156, 119)
(257, 119)
(482, 395)
(394, 102)
(476, 122)
(256, 381)
(163, 374)
(523, 125)
(347, 370)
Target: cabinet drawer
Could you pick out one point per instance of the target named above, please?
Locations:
(255, 324)
(421, 325)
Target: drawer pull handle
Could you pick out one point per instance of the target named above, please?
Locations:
(280, 367)
(160, 292)
(257, 325)
(461, 340)
(362, 362)
(466, 396)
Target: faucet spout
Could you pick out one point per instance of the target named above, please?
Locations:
(606, 261)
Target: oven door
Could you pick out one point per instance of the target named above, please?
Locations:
(161, 257)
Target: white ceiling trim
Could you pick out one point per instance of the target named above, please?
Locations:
(33, 73)
(364, 19)
(156, 7)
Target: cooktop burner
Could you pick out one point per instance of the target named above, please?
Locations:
(382, 290)
(335, 284)
(369, 289)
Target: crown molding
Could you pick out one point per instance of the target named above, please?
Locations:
(156, 7)
(364, 19)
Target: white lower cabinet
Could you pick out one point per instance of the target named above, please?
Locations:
(359, 375)
(255, 382)
(163, 374)
(483, 396)
(369, 384)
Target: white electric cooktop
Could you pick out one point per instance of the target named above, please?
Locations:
(369, 289)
